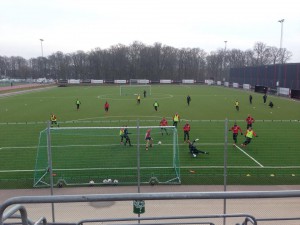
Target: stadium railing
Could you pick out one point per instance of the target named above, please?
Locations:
(12, 205)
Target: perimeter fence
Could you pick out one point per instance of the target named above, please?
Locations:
(272, 158)
(211, 208)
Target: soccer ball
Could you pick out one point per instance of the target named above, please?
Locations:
(159, 143)
(105, 181)
(109, 180)
(194, 155)
(116, 181)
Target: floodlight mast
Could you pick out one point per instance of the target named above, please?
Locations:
(280, 52)
(281, 21)
(42, 46)
(224, 61)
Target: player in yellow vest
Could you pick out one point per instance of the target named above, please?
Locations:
(53, 120)
(237, 105)
(138, 99)
(78, 103)
(176, 119)
(155, 105)
(122, 134)
(249, 135)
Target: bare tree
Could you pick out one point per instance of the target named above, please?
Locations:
(274, 54)
(262, 54)
(236, 58)
(60, 65)
(249, 57)
(284, 55)
(142, 61)
(4, 63)
(214, 65)
(79, 65)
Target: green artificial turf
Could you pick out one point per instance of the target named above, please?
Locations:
(272, 158)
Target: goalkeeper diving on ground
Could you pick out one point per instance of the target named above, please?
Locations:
(193, 150)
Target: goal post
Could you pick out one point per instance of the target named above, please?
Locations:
(139, 82)
(81, 155)
(135, 89)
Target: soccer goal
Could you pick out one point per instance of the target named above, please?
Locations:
(96, 155)
(135, 89)
(139, 81)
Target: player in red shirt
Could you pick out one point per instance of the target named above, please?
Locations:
(148, 139)
(163, 123)
(235, 131)
(250, 120)
(106, 106)
(186, 132)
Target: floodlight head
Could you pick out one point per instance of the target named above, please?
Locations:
(41, 39)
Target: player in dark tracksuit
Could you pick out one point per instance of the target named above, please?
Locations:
(193, 150)
(126, 136)
(188, 100)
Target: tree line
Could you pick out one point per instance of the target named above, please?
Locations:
(140, 61)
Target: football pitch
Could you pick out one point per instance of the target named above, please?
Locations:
(271, 158)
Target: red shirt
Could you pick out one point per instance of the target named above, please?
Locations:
(236, 129)
(106, 106)
(187, 127)
(250, 120)
(163, 122)
(148, 134)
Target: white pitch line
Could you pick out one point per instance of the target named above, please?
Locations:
(21, 147)
(249, 156)
(101, 145)
(182, 167)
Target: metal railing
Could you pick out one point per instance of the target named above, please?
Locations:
(16, 202)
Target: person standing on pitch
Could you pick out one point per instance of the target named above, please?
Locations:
(78, 103)
(156, 105)
(235, 131)
(138, 99)
(148, 139)
(265, 98)
(53, 120)
(249, 135)
(237, 105)
(250, 120)
(250, 99)
(126, 136)
(176, 119)
(106, 106)
(163, 123)
(186, 132)
(145, 94)
(121, 133)
(188, 100)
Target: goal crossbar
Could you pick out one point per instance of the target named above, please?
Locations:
(135, 89)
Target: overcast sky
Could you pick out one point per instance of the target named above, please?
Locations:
(71, 25)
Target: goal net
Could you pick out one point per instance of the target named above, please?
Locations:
(85, 155)
(135, 89)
